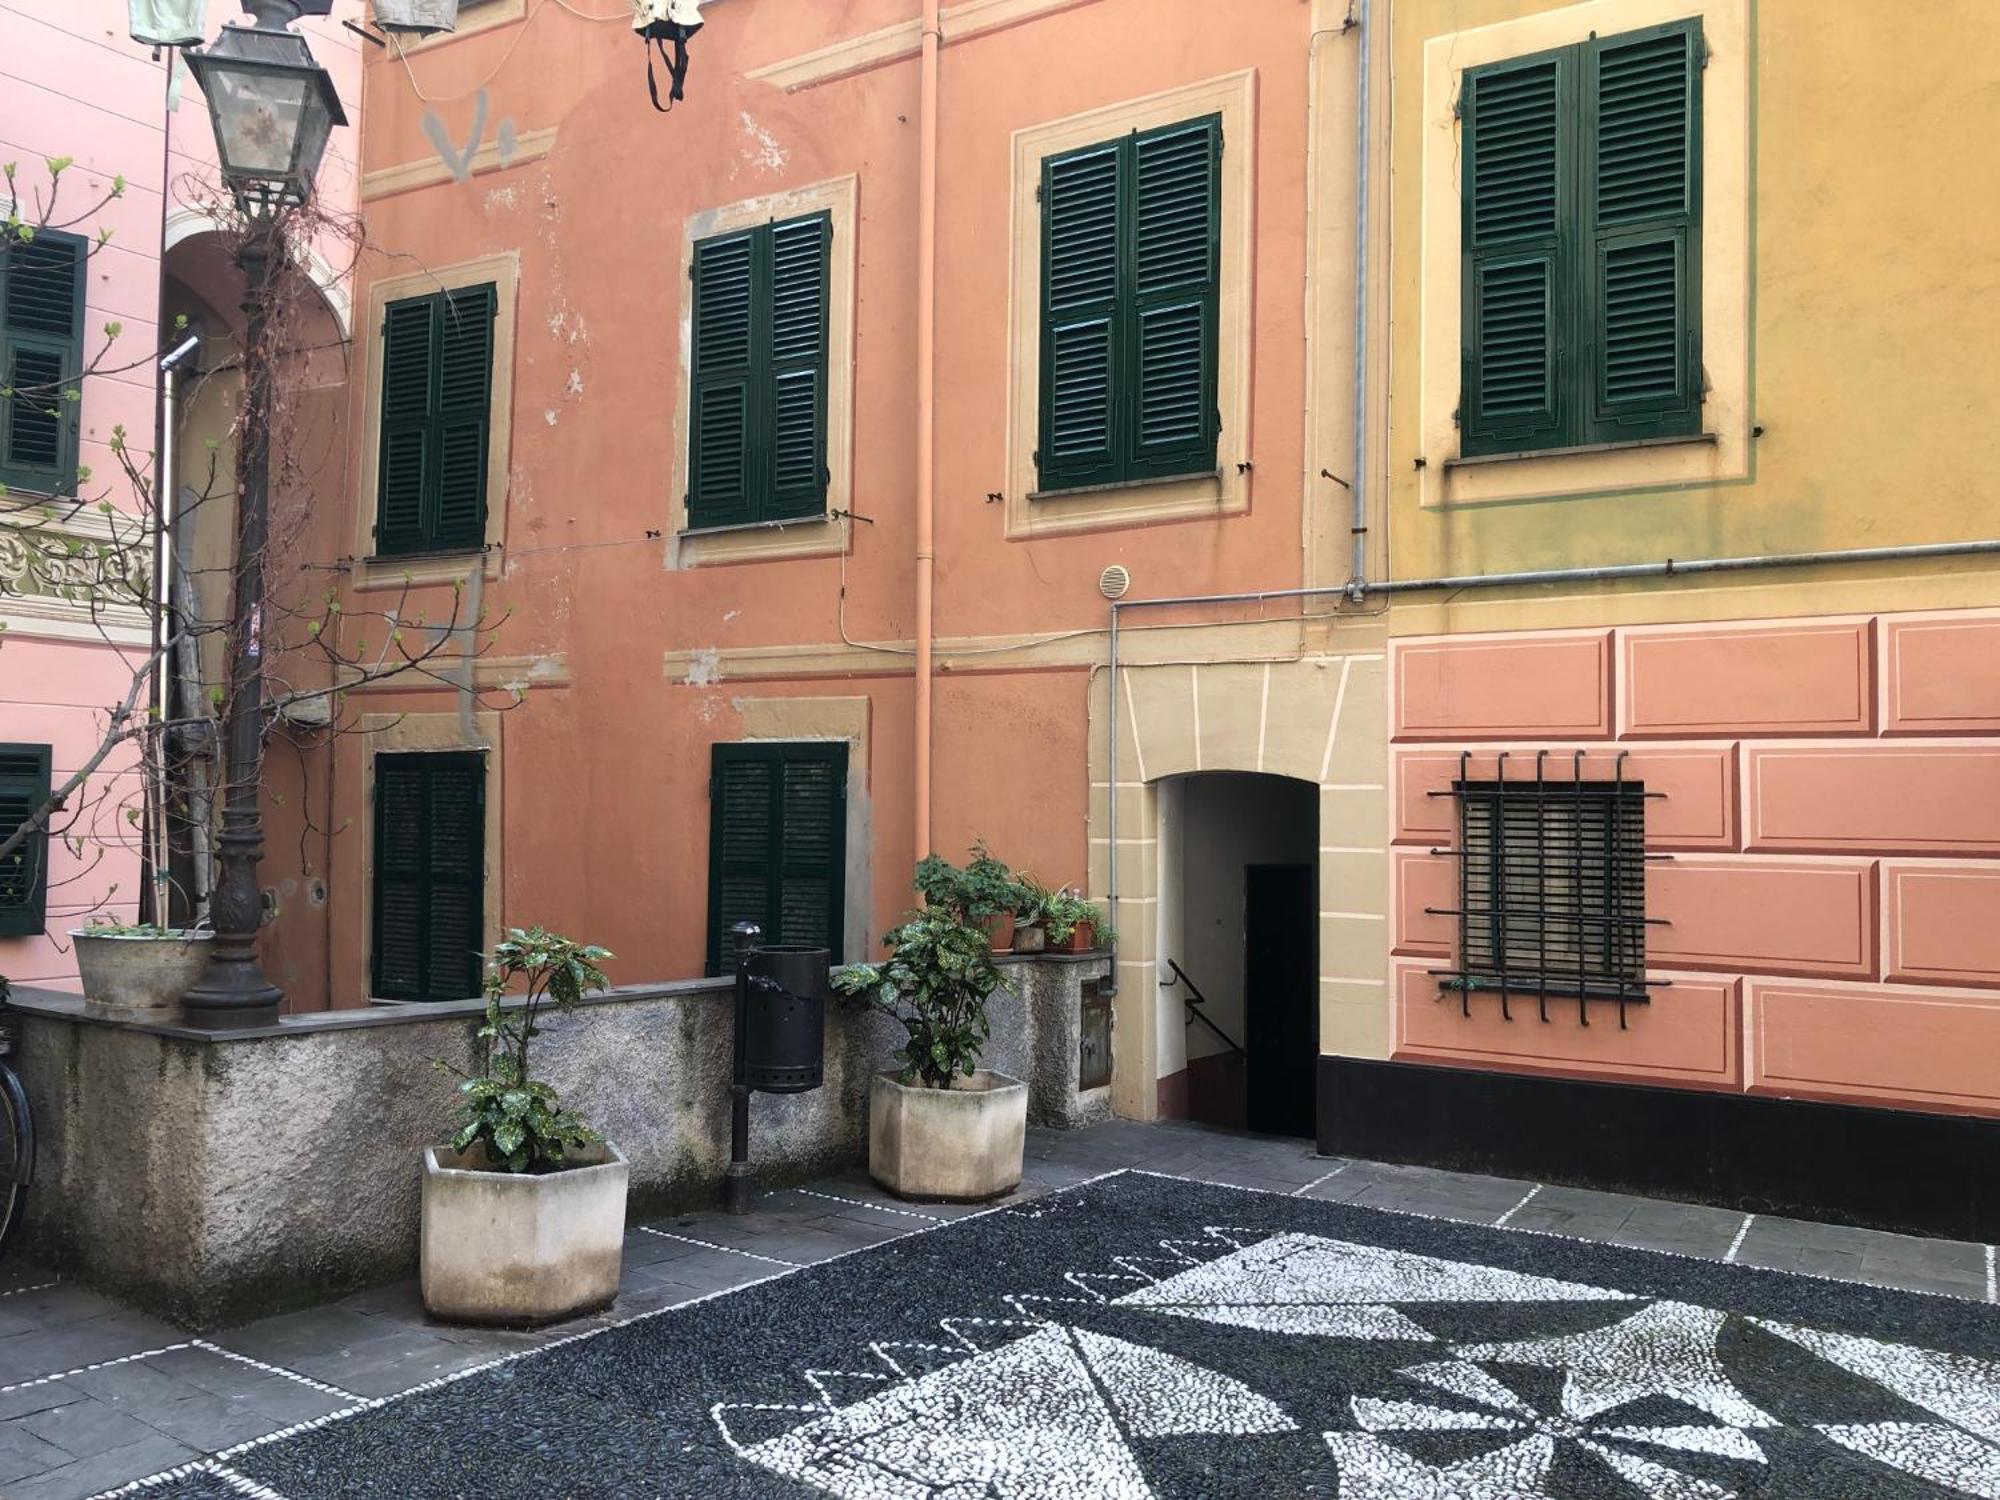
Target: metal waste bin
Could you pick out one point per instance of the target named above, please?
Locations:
(783, 1038)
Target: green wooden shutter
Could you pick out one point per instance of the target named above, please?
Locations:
(1643, 207)
(464, 403)
(429, 876)
(42, 294)
(777, 845)
(1080, 439)
(1519, 245)
(409, 435)
(24, 874)
(720, 478)
(437, 397)
(1171, 333)
(796, 406)
(456, 875)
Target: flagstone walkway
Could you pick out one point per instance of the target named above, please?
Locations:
(94, 1395)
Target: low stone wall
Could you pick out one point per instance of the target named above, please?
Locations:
(212, 1177)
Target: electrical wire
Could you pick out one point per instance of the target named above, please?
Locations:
(400, 47)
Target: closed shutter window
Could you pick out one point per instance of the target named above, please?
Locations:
(437, 394)
(777, 845)
(1131, 261)
(430, 875)
(1582, 234)
(759, 382)
(41, 359)
(24, 871)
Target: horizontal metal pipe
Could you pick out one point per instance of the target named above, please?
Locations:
(1671, 568)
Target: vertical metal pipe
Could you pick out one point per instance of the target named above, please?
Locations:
(927, 185)
(739, 1185)
(1363, 110)
(1109, 985)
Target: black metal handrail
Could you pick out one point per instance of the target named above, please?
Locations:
(1193, 1006)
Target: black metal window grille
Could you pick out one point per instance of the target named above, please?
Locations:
(1552, 891)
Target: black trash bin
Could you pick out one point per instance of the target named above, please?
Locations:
(784, 1020)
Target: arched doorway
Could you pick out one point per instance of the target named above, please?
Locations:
(1239, 952)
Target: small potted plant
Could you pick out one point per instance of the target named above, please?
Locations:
(132, 968)
(1074, 924)
(524, 1212)
(1031, 913)
(940, 1127)
(984, 893)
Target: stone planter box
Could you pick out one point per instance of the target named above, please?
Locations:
(521, 1249)
(124, 975)
(957, 1145)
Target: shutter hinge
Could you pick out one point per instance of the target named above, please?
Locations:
(1457, 415)
(1458, 104)
(1038, 458)
(1705, 53)
(1038, 192)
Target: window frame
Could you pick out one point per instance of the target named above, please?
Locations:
(1426, 376)
(1226, 492)
(779, 753)
(1597, 886)
(398, 571)
(431, 760)
(29, 919)
(1579, 418)
(760, 375)
(60, 477)
(1126, 463)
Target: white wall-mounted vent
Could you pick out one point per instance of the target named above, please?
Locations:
(1114, 581)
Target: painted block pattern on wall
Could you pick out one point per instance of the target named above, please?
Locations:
(1825, 859)
(1555, 683)
(1690, 1034)
(1806, 678)
(1941, 674)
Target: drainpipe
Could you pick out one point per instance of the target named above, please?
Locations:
(927, 179)
(1365, 43)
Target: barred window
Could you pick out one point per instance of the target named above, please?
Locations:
(1552, 891)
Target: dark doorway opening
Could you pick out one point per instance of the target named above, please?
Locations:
(1239, 956)
(1281, 996)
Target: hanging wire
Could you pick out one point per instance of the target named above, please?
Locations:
(400, 46)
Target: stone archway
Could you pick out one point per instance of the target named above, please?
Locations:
(1320, 718)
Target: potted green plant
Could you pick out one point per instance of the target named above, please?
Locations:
(984, 893)
(1031, 914)
(524, 1211)
(1074, 924)
(136, 968)
(939, 1126)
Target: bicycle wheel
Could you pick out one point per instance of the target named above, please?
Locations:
(17, 1152)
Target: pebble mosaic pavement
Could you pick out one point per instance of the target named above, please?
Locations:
(1144, 1335)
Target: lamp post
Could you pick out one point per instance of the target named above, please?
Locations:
(273, 108)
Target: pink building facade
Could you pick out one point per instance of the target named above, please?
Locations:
(73, 84)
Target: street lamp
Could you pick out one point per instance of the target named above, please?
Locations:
(273, 108)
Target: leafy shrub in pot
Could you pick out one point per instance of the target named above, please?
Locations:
(939, 1126)
(524, 1211)
(985, 893)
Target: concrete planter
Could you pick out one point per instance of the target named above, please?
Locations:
(1030, 939)
(420, 16)
(131, 975)
(521, 1250)
(955, 1145)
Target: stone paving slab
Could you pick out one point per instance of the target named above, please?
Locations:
(189, 1402)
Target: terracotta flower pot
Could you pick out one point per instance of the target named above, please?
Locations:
(1082, 938)
(1000, 931)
